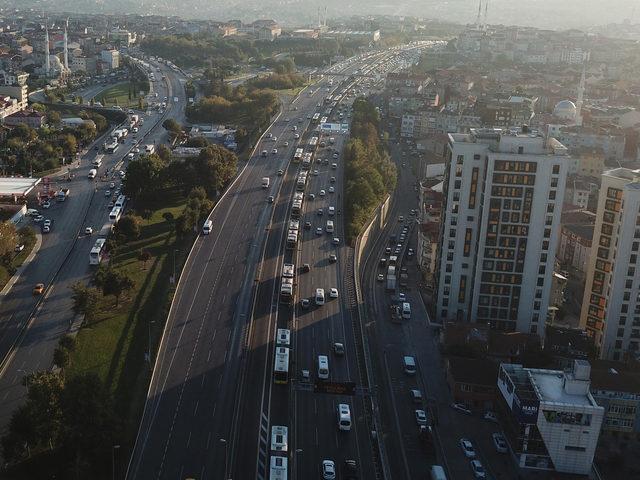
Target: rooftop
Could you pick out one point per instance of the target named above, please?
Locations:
(549, 385)
(19, 187)
(511, 141)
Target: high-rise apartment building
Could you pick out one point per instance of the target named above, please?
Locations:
(500, 228)
(611, 307)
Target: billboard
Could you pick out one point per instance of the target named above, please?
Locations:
(526, 411)
(335, 388)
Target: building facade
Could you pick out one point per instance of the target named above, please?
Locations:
(500, 227)
(550, 419)
(611, 308)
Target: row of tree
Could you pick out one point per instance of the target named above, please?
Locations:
(369, 173)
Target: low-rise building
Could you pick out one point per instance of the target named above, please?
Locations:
(472, 381)
(110, 59)
(616, 387)
(30, 118)
(549, 417)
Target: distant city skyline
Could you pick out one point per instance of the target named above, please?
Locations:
(539, 13)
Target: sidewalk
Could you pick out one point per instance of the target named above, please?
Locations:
(27, 261)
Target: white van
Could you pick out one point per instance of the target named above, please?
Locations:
(283, 337)
(265, 182)
(92, 173)
(319, 296)
(332, 211)
(344, 417)
(406, 310)
(437, 473)
(329, 226)
(323, 367)
(206, 228)
(409, 365)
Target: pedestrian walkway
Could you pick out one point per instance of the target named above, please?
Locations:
(27, 261)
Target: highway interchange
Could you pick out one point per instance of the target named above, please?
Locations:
(28, 335)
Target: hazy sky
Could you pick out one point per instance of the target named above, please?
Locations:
(555, 14)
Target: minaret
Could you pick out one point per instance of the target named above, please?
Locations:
(47, 61)
(478, 18)
(580, 96)
(66, 47)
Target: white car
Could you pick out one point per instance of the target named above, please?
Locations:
(315, 173)
(274, 151)
(332, 190)
(334, 166)
(46, 204)
(335, 241)
(88, 231)
(421, 417)
(467, 448)
(478, 469)
(322, 193)
(490, 416)
(500, 442)
(296, 136)
(280, 172)
(333, 293)
(286, 144)
(380, 277)
(319, 231)
(328, 470)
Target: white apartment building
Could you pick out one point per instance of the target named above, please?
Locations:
(550, 419)
(500, 227)
(611, 306)
(111, 58)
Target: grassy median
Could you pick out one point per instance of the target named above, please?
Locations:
(122, 94)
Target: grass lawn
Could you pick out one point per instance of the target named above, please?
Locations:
(115, 343)
(29, 241)
(119, 94)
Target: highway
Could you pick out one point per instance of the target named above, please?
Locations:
(62, 261)
(210, 397)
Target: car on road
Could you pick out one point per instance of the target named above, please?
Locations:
(401, 218)
(306, 268)
(286, 144)
(46, 204)
(350, 470)
(46, 228)
(410, 252)
(315, 173)
(416, 395)
(335, 241)
(461, 408)
(111, 204)
(421, 417)
(38, 218)
(332, 190)
(387, 250)
(47, 223)
(38, 289)
(270, 199)
(305, 303)
(320, 212)
(318, 230)
(499, 442)
(491, 417)
(333, 293)
(274, 151)
(264, 153)
(112, 185)
(296, 136)
(334, 166)
(332, 179)
(338, 349)
(107, 193)
(467, 448)
(380, 277)
(19, 248)
(280, 172)
(333, 258)
(322, 193)
(478, 469)
(335, 155)
(326, 161)
(402, 297)
(328, 470)
(307, 225)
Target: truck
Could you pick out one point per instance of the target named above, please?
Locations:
(62, 194)
(265, 182)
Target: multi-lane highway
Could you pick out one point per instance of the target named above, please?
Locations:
(63, 259)
(212, 401)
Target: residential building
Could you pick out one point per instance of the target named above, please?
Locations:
(549, 417)
(30, 118)
(579, 190)
(269, 32)
(616, 387)
(110, 58)
(500, 227)
(611, 308)
(472, 381)
(8, 106)
(575, 240)
(610, 141)
(14, 85)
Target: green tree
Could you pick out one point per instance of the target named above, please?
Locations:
(173, 127)
(143, 177)
(163, 152)
(144, 256)
(8, 238)
(61, 357)
(129, 227)
(116, 283)
(85, 301)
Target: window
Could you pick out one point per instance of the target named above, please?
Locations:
(556, 169)
(574, 449)
(460, 159)
(552, 195)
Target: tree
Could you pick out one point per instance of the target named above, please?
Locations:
(143, 177)
(85, 301)
(129, 227)
(61, 357)
(172, 126)
(8, 238)
(163, 152)
(116, 283)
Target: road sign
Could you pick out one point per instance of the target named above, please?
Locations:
(335, 388)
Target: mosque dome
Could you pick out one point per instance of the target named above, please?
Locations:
(565, 109)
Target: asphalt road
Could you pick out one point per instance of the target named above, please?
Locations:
(210, 395)
(63, 260)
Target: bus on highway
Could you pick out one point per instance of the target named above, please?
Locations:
(301, 181)
(298, 155)
(111, 147)
(296, 207)
(313, 144)
(97, 252)
(292, 234)
(120, 201)
(281, 366)
(278, 468)
(115, 214)
(97, 162)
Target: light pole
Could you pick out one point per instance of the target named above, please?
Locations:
(113, 461)
(297, 462)
(173, 278)
(224, 442)
(151, 322)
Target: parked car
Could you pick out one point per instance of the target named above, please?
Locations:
(467, 448)
(478, 469)
(499, 442)
(421, 417)
(461, 408)
(19, 248)
(338, 349)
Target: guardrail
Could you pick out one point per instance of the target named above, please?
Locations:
(361, 243)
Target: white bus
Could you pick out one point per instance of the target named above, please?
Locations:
(278, 468)
(120, 201)
(97, 252)
(115, 214)
(281, 366)
(298, 155)
(97, 162)
(319, 296)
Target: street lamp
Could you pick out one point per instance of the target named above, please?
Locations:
(151, 322)
(297, 462)
(225, 443)
(113, 461)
